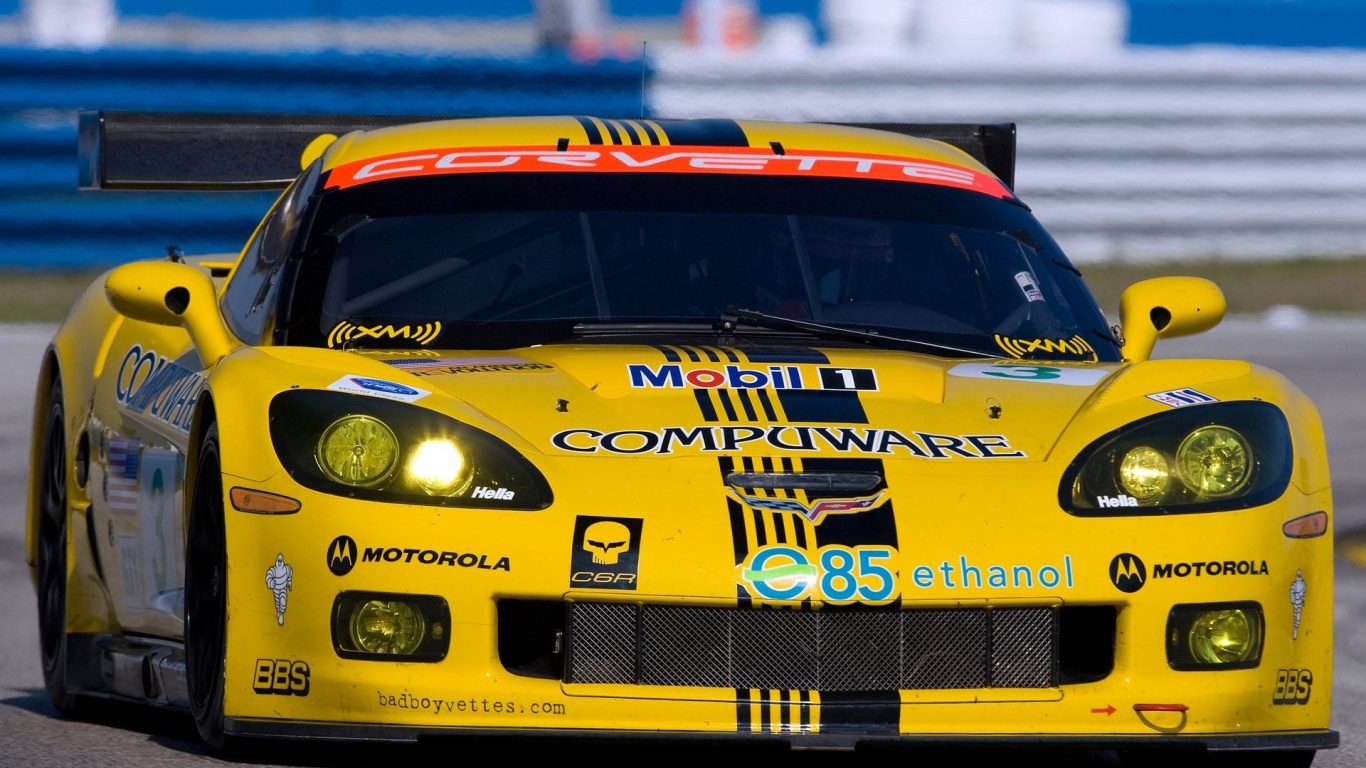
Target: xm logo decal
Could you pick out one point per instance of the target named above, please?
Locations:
(345, 332)
(1127, 572)
(1049, 349)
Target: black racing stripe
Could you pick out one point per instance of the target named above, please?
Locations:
(822, 406)
(692, 354)
(876, 526)
(590, 128)
(612, 132)
(730, 355)
(855, 712)
(726, 404)
(760, 534)
(784, 714)
(649, 132)
(799, 531)
(767, 463)
(669, 354)
(765, 715)
(704, 133)
(804, 711)
(737, 531)
(629, 128)
(704, 404)
(766, 403)
(727, 466)
(711, 354)
(743, 706)
(747, 405)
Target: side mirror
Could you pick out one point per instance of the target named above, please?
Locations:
(1166, 307)
(167, 293)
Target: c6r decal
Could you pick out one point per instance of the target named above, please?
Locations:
(1044, 374)
(836, 574)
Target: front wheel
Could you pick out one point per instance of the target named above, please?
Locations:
(206, 595)
(52, 566)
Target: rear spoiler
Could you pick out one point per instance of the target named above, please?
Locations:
(168, 150)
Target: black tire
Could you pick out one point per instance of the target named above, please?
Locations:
(53, 519)
(206, 595)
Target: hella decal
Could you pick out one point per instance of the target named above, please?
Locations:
(725, 439)
(818, 509)
(673, 375)
(482, 492)
(1116, 501)
(389, 390)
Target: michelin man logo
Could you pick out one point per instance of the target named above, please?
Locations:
(280, 579)
(1297, 592)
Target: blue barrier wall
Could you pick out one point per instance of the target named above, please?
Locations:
(1274, 23)
(45, 222)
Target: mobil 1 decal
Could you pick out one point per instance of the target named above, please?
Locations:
(836, 547)
(606, 552)
(759, 384)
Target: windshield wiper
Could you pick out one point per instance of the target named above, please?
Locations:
(774, 322)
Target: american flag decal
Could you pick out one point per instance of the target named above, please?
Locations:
(1178, 398)
(122, 475)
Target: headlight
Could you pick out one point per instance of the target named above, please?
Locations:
(1214, 636)
(1201, 458)
(382, 450)
(358, 450)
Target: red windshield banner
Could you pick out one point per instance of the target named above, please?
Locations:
(663, 159)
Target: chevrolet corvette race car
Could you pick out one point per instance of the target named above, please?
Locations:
(801, 434)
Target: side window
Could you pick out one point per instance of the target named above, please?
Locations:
(248, 297)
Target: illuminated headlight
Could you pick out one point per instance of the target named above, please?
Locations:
(1215, 636)
(390, 627)
(439, 467)
(1204, 458)
(383, 450)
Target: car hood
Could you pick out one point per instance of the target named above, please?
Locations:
(661, 401)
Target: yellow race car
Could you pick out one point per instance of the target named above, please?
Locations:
(802, 434)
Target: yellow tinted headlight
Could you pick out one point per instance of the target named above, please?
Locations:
(1225, 636)
(439, 468)
(358, 450)
(380, 626)
(1143, 473)
(1214, 461)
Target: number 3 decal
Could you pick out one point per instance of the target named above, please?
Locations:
(1080, 376)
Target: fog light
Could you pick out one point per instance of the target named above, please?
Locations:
(1215, 636)
(1143, 473)
(358, 450)
(1214, 461)
(392, 627)
(1222, 637)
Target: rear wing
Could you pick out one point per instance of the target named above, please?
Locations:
(187, 151)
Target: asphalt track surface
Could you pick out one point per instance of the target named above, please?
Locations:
(1324, 357)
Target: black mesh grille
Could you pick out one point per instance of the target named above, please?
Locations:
(817, 650)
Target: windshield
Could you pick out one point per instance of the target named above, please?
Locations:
(490, 261)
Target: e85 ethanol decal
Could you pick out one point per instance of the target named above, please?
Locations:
(836, 574)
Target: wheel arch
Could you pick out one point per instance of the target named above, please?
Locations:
(205, 414)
